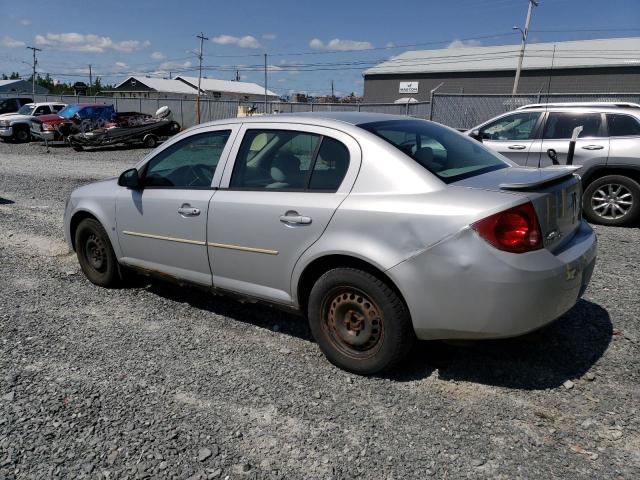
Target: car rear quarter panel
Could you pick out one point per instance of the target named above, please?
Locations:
(386, 229)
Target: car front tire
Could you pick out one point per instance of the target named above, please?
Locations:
(359, 322)
(21, 135)
(612, 200)
(95, 254)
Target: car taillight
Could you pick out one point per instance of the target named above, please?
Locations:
(515, 230)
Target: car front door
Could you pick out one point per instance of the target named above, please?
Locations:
(592, 146)
(512, 135)
(162, 227)
(274, 202)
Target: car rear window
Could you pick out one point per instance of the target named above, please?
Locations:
(445, 153)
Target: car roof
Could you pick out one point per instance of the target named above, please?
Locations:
(39, 104)
(320, 118)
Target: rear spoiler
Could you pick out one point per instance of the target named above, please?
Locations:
(546, 176)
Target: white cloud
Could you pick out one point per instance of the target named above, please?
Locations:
(25, 22)
(79, 42)
(274, 68)
(121, 66)
(166, 66)
(390, 45)
(11, 42)
(248, 41)
(464, 43)
(269, 36)
(339, 44)
(316, 44)
(158, 56)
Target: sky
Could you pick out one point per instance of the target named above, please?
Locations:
(308, 44)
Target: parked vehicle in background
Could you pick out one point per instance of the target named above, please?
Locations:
(607, 150)
(378, 228)
(73, 118)
(10, 105)
(129, 128)
(16, 126)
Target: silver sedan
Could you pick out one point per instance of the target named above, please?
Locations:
(379, 229)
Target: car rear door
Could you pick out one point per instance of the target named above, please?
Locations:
(592, 146)
(275, 201)
(512, 135)
(163, 226)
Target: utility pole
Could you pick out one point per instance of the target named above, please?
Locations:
(333, 98)
(525, 32)
(237, 75)
(202, 39)
(265, 83)
(33, 78)
(90, 80)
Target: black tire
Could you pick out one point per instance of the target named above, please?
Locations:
(150, 141)
(95, 254)
(345, 303)
(21, 134)
(624, 195)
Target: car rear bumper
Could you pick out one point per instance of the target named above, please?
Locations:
(462, 288)
(6, 132)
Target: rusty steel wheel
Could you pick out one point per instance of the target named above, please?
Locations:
(359, 320)
(95, 254)
(353, 321)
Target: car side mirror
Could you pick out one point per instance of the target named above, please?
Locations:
(130, 179)
(475, 134)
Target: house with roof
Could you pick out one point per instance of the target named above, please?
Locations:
(230, 89)
(20, 86)
(609, 65)
(152, 87)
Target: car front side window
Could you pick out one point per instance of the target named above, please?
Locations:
(189, 163)
(518, 126)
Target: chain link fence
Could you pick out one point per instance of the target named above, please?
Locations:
(464, 111)
(185, 111)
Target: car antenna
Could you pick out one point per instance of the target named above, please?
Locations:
(546, 107)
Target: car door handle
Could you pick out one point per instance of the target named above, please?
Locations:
(187, 210)
(294, 219)
(592, 147)
(516, 147)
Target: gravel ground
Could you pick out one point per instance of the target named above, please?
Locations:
(155, 381)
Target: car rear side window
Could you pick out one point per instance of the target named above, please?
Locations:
(622, 125)
(289, 160)
(447, 154)
(188, 164)
(331, 165)
(559, 126)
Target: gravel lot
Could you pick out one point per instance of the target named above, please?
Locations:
(154, 381)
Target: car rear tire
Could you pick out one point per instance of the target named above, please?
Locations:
(612, 200)
(21, 134)
(360, 323)
(95, 254)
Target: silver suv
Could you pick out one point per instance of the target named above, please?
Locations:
(607, 150)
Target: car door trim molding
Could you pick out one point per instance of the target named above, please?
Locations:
(242, 248)
(161, 237)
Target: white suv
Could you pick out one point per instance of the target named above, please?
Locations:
(607, 150)
(17, 126)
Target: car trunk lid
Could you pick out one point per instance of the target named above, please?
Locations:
(556, 194)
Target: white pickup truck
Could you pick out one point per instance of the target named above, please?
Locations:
(17, 126)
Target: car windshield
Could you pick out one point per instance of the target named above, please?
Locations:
(445, 153)
(26, 109)
(69, 111)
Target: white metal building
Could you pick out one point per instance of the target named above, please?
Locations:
(230, 90)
